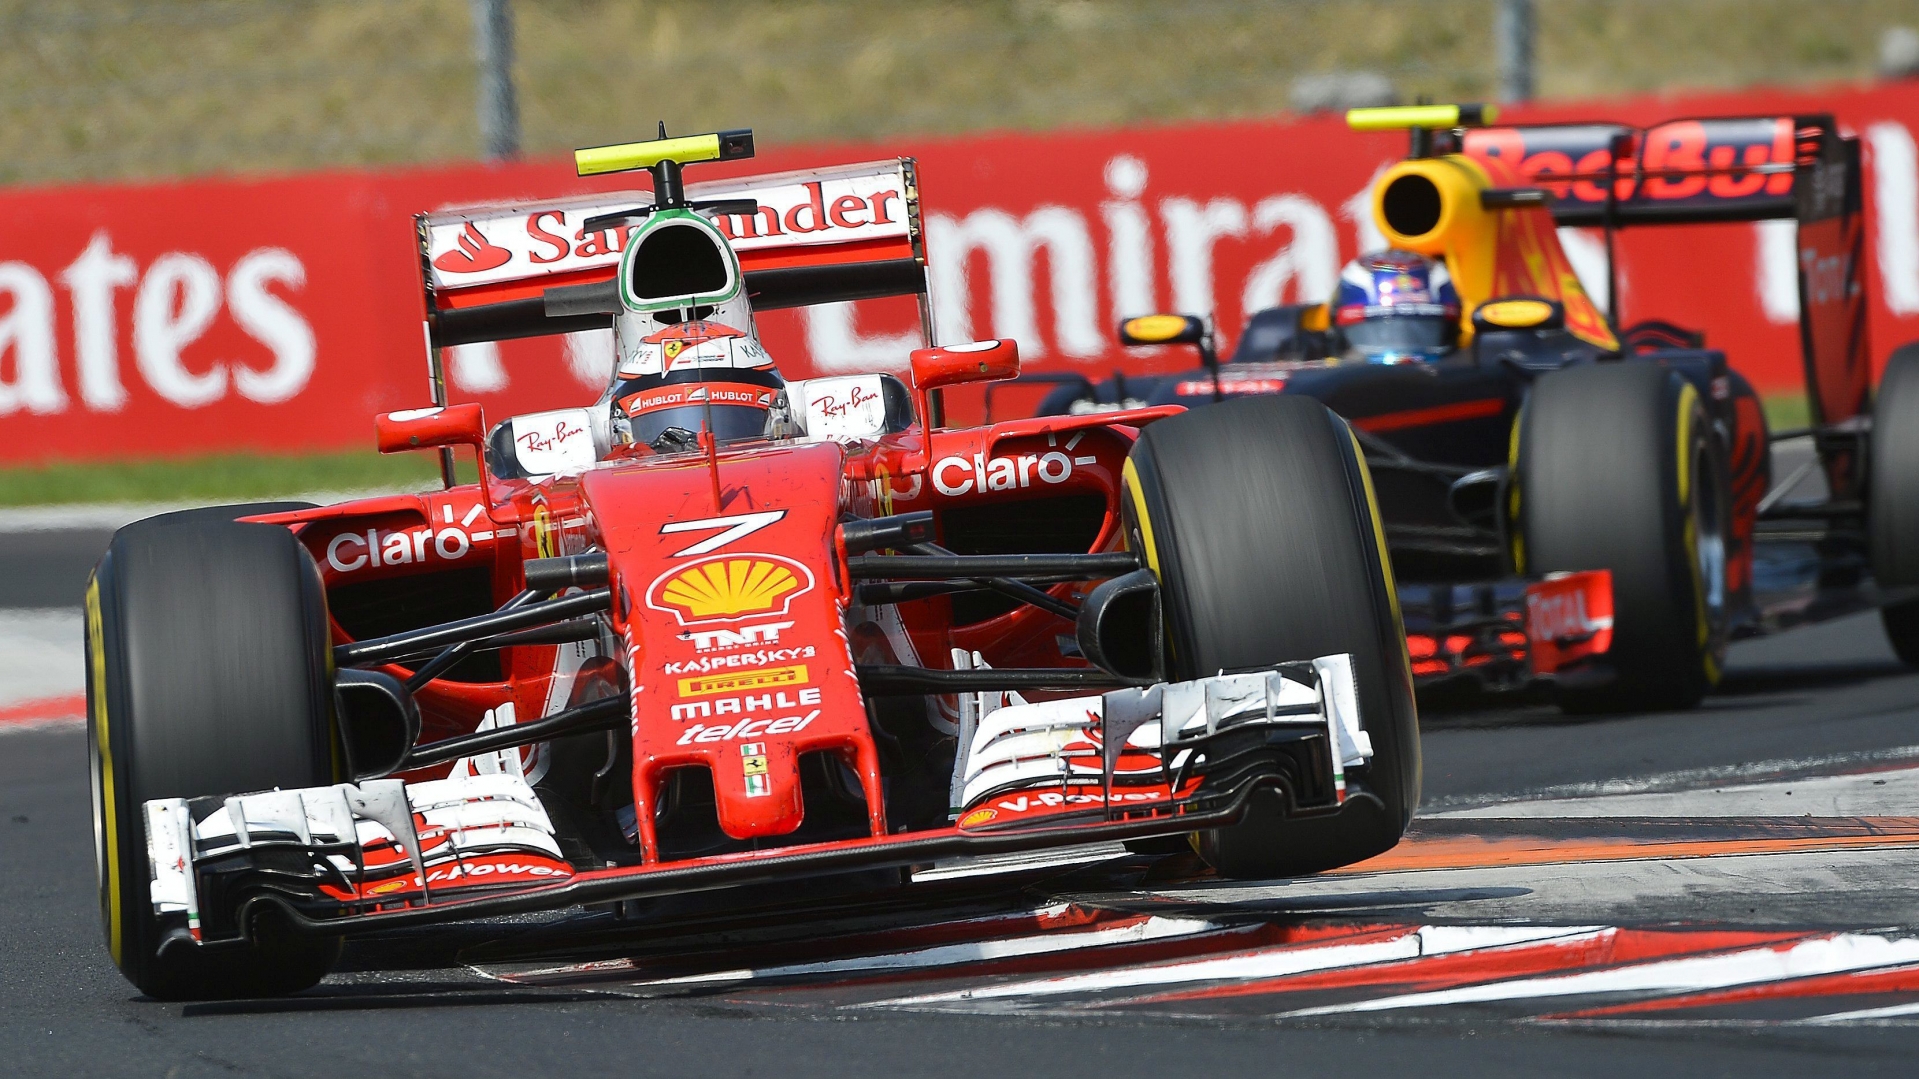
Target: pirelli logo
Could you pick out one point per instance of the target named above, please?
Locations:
(764, 678)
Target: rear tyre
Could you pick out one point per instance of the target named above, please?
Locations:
(1258, 517)
(1892, 496)
(208, 673)
(1619, 468)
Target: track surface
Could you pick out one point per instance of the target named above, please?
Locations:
(1580, 895)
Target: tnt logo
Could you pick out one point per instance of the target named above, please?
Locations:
(725, 640)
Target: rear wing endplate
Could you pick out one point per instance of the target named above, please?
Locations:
(498, 272)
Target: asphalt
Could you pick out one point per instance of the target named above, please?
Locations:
(1826, 705)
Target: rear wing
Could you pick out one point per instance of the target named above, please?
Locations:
(1682, 171)
(850, 232)
(1798, 168)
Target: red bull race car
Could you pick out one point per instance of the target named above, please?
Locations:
(719, 629)
(1567, 502)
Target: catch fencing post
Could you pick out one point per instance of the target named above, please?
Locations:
(493, 48)
(1513, 39)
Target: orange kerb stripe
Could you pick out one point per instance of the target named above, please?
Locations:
(1474, 852)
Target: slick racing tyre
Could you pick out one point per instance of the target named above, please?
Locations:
(1258, 517)
(1618, 467)
(208, 673)
(1892, 496)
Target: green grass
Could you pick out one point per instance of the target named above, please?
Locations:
(1787, 411)
(98, 89)
(214, 478)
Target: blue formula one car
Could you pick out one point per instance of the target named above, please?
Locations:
(1569, 501)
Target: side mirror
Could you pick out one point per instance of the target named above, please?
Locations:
(561, 442)
(1175, 330)
(841, 408)
(425, 428)
(953, 365)
(1162, 330)
(1518, 313)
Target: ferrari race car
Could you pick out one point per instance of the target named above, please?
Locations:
(718, 629)
(1567, 503)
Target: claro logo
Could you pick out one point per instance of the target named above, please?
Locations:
(959, 475)
(349, 551)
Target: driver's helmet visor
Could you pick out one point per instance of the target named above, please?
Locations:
(735, 410)
(1427, 331)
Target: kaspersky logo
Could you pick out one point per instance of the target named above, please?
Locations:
(729, 587)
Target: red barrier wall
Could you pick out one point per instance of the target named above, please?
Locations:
(280, 314)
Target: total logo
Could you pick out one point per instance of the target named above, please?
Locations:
(1561, 616)
(726, 640)
(745, 728)
(959, 476)
(745, 705)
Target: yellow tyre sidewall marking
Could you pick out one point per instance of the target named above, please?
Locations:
(1518, 540)
(1688, 402)
(110, 833)
(1129, 476)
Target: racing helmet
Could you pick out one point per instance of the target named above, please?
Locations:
(688, 354)
(1397, 307)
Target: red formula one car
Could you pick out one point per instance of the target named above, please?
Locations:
(718, 629)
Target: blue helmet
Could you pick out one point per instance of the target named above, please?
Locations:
(1397, 307)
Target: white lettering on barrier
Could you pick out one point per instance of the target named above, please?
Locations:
(91, 280)
(27, 331)
(273, 322)
(176, 304)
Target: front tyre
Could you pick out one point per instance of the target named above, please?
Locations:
(1258, 517)
(1892, 496)
(1619, 468)
(208, 673)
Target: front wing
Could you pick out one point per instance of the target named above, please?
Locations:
(1168, 759)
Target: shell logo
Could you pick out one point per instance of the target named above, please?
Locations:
(978, 817)
(729, 587)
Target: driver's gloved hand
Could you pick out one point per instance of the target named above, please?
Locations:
(676, 440)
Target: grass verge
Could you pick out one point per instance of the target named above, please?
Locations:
(217, 477)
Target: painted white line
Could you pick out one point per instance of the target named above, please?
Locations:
(106, 516)
(40, 654)
(1826, 955)
(1687, 780)
(1891, 792)
(1867, 1015)
(1264, 963)
(945, 955)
